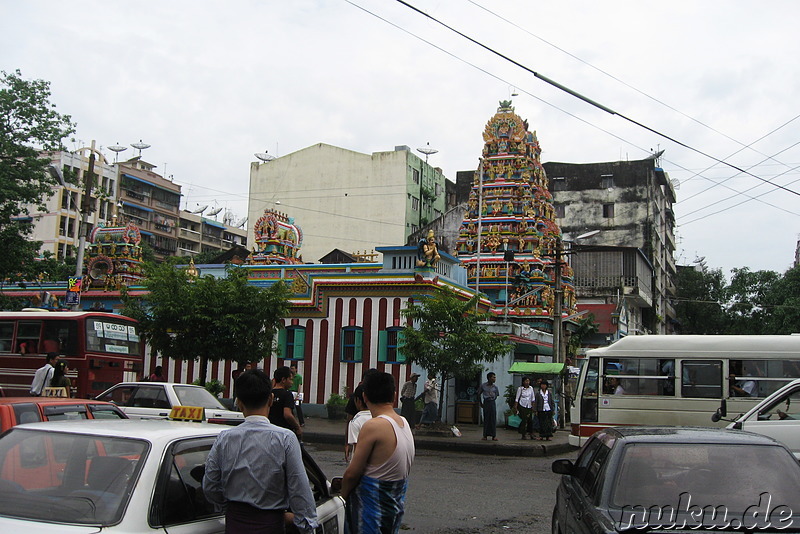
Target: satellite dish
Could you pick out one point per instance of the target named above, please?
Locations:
(264, 156)
(228, 218)
(427, 150)
(140, 146)
(117, 149)
(214, 212)
(241, 223)
(201, 210)
(676, 184)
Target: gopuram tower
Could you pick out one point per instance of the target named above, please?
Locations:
(509, 240)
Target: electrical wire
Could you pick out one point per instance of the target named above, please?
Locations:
(586, 99)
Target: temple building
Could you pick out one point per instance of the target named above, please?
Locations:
(509, 240)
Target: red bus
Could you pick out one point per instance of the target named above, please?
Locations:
(101, 349)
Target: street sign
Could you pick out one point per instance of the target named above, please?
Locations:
(73, 296)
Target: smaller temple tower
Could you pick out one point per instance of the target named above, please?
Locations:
(114, 257)
(277, 240)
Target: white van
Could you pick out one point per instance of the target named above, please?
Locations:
(777, 416)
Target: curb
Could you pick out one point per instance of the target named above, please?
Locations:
(458, 445)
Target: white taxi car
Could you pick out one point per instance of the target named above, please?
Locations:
(154, 400)
(121, 476)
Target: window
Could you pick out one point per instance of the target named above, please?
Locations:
(608, 211)
(639, 376)
(559, 183)
(415, 175)
(607, 181)
(389, 343)
(179, 496)
(414, 203)
(151, 397)
(761, 378)
(590, 388)
(701, 379)
(352, 339)
(292, 341)
(6, 336)
(28, 337)
(560, 210)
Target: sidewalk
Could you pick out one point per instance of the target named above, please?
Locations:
(332, 432)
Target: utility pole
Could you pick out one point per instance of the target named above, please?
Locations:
(88, 180)
(558, 306)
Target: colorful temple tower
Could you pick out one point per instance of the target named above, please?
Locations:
(278, 240)
(509, 240)
(114, 257)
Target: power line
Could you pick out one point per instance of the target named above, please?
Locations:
(586, 99)
(615, 78)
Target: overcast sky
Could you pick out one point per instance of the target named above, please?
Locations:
(208, 84)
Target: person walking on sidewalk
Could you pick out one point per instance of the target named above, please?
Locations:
(523, 406)
(408, 396)
(297, 392)
(43, 375)
(281, 412)
(545, 406)
(487, 395)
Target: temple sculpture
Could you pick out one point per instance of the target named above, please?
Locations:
(114, 257)
(510, 225)
(277, 240)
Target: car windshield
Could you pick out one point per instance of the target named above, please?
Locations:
(733, 476)
(67, 478)
(197, 396)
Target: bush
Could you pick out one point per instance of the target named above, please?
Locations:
(337, 399)
(213, 386)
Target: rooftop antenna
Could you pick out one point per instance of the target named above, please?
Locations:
(117, 149)
(140, 146)
(427, 150)
(201, 210)
(213, 213)
(264, 156)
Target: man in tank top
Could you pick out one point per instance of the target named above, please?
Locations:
(374, 484)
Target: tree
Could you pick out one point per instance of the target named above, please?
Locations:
(749, 300)
(784, 316)
(586, 327)
(700, 299)
(208, 319)
(448, 339)
(29, 124)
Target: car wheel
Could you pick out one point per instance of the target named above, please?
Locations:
(555, 528)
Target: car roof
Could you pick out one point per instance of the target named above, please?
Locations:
(687, 435)
(148, 429)
(50, 400)
(149, 383)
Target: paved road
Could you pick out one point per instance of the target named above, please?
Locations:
(469, 494)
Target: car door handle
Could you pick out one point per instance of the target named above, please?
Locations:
(163, 414)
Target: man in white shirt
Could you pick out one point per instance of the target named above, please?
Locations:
(355, 424)
(43, 375)
(431, 399)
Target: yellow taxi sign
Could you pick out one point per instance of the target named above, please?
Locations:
(187, 413)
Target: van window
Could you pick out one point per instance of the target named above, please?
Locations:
(761, 378)
(701, 379)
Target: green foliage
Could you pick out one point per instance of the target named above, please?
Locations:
(510, 395)
(29, 124)
(211, 319)
(749, 299)
(213, 386)
(586, 327)
(700, 298)
(338, 399)
(447, 338)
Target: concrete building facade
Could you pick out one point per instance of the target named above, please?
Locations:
(346, 199)
(631, 203)
(198, 234)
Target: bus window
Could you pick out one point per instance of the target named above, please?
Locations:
(6, 336)
(111, 337)
(61, 337)
(639, 376)
(761, 378)
(701, 379)
(591, 385)
(28, 337)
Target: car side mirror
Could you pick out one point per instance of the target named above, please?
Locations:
(721, 412)
(563, 467)
(336, 485)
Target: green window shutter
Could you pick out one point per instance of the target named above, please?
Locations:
(299, 343)
(357, 356)
(382, 342)
(401, 357)
(282, 341)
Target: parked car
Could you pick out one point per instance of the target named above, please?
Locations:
(673, 478)
(121, 476)
(18, 410)
(154, 400)
(777, 416)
